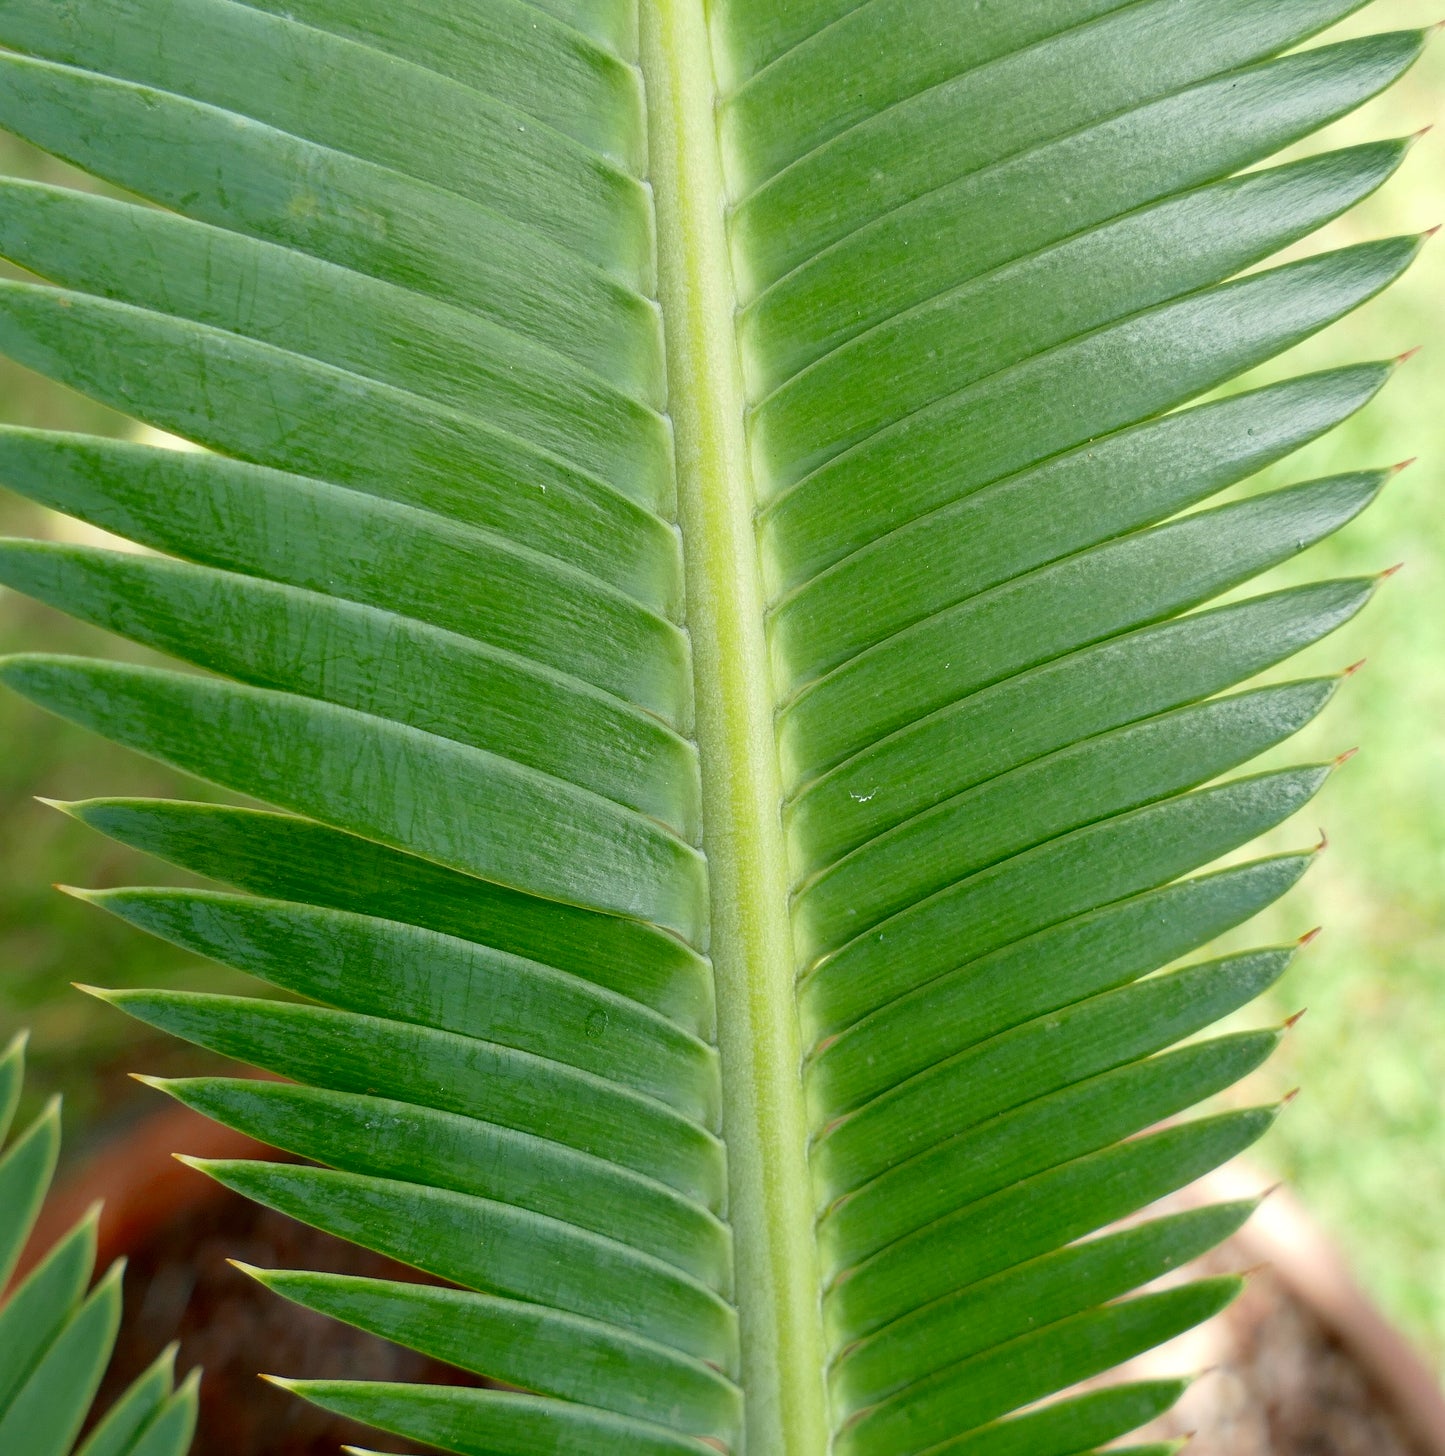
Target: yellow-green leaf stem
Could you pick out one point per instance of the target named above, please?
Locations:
(764, 1120)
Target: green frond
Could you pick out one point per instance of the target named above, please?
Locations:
(56, 1330)
(706, 554)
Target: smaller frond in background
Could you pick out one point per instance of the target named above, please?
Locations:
(56, 1334)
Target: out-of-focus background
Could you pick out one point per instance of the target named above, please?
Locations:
(1364, 1145)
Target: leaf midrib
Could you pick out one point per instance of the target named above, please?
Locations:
(764, 1116)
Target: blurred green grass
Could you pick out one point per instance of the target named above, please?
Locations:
(1364, 1145)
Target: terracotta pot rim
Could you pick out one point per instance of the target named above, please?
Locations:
(1283, 1235)
(135, 1180)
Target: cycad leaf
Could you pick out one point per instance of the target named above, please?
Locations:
(56, 1334)
(708, 543)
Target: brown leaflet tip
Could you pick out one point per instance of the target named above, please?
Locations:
(1407, 355)
(1310, 936)
(1295, 1020)
(1402, 465)
(1324, 842)
(1354, 667)
(1390, 571)
(1285, 1102)
(1345, 757)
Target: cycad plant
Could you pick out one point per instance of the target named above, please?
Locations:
(55, 1338)
(696, 546)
